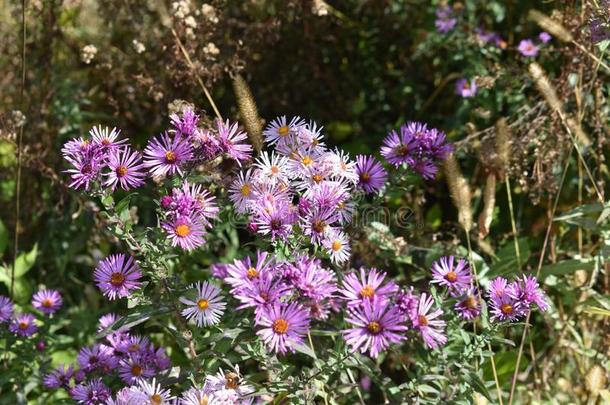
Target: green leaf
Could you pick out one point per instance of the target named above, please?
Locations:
(597, 311)
(25, 261)
(3, 238)
(506, 262)
(474, 380)
(567, 267)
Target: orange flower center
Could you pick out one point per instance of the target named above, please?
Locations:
(105, 141)
(170, 157)
(367, 291)
(336, 246)
(451, 277)
(252, 273)
(47, 303)
(470, 302)
(275, 169)
(506, 309)
(283, 130)
(183, 230)
(203, 304)
(280, 326)
(121, 171)
(156, 399)
(423, 321)
(23, 325)
(136, 370)
(374, 327)
(307, 160)
(116, 279)
(317, 178)
(319, 226)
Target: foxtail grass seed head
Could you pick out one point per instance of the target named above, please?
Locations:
(460, 191)
(489, 202)
(552, 26)
(545, 87)
(503, 143)
(248, 112)
(579, 133)
(595, 380)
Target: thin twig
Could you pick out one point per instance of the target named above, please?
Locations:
(197, 76)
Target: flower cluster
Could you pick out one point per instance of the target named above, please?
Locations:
(131, 357)
(512, 301)
(104, 159)
(301, 168)
(417, 146)
(187, 214)
(117, 276)
(446, 19)
(25, 324)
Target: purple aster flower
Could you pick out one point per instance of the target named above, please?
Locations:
(398, 149)
(117, 276)
(599, 29)
(207, 145)
(545, 37)
(407, 303)
(370, 285)
(194, 200)
(468, 306)
(219, 270)
(125, 169)
(106, 321)
(504, 306)
(241, 273)
(85, 168)
(528, 292)
(377, 325)
(164, 155)
(96, 357)
(60, 377)
(261, 293)
(274, 219)
(311, 279)
(105, 138)
(208, 306)
(135, 367)
(371, 174)
(47, 301)
(23, 325)
(427, 323)
(445, 19)
(456, 277)
(527, 48)
(6, 309)
(93, 392)
(284, 326)
(185, 125)
(465, 88)
(231, 139)
(185, 232)
(319, 223)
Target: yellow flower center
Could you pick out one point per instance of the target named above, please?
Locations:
(203, 304)
(367, 291)
(283, 130)
(245, 190)
(307, 160)
(117, 279)
(156, 399)
(423, 321)
(183, 230)
(280, 326)
(252, 273)
(451, 276)
(336, 246)
(374, 327)
(170, 157)
(121, 171)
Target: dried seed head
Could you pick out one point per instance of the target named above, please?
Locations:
(489, 202)
(503, 137)
(551, 25)
(460, 191)
(595, 380)
(578, 132)
(248, 112)
(545, 87)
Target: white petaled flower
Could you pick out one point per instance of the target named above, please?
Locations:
(273, 167)
(340, 166)
(207, 308)
(337, 246)
(241, 190)
(195, 396)
(279, 130)
(149, 393)
(228, 388)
